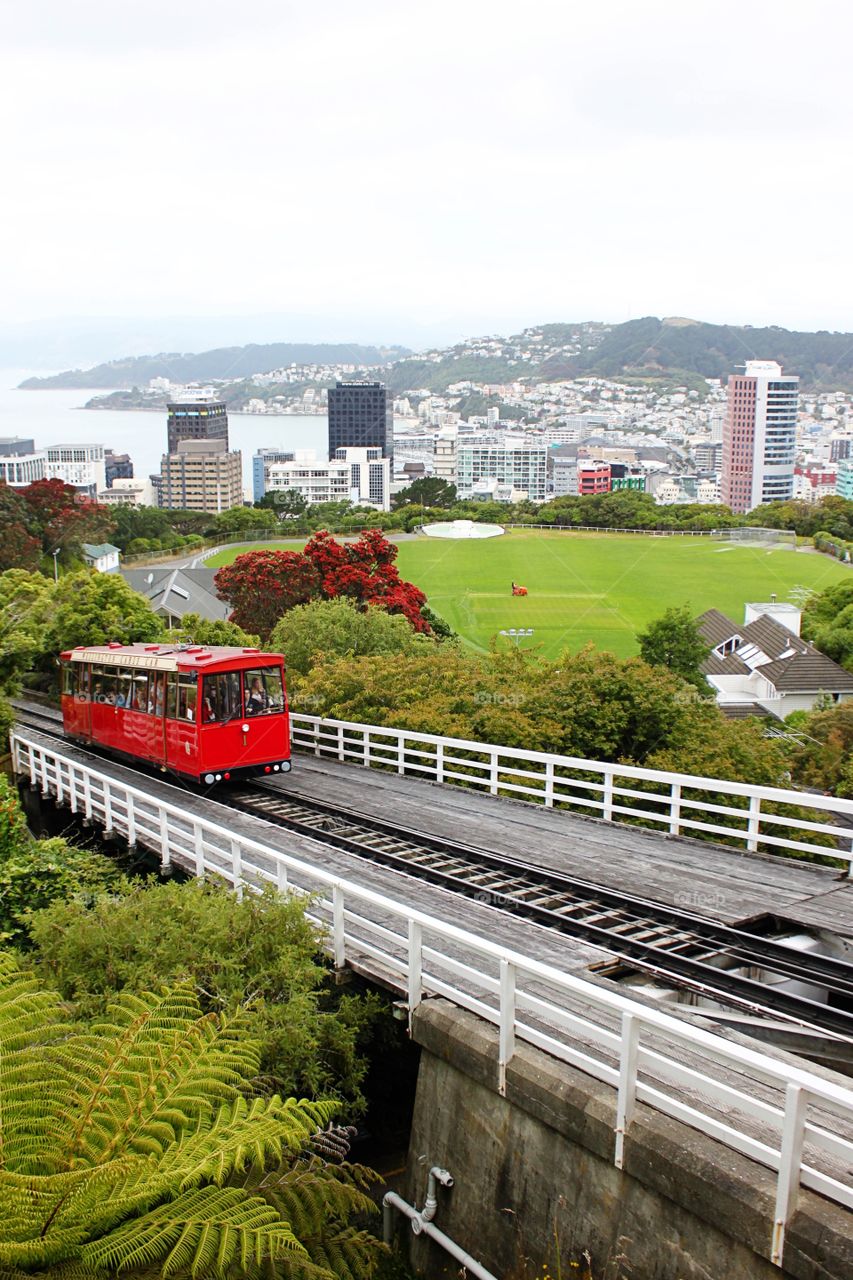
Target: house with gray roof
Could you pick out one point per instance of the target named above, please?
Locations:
(764, 667)
(173, 593)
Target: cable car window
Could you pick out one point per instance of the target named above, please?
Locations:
(69, 680)
(156, 693)
(220, 697)
(104, 684)
(124, 687)
(264, 691)
(138, 691)
(172, 698)
(187, 691)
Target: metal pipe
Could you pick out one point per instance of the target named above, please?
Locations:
(392, 1201)
(436, 1175)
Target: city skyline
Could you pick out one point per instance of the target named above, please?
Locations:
(598, 164)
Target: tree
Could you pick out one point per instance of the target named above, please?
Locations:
(63, 518)
(133, 1147)
(828, 622)
(197, 630)
(260, 586)
(673, 641)
(236, 519)
(326, 629)
(19, 548)
(26, 606)
(259, 954)
(95, 608)
(288, 504)
(34, 873)
(427, 491)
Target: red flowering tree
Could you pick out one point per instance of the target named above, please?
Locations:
(61, 517)
(262, 585)
(19, 549)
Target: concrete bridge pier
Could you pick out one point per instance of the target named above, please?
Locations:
(535, 1182)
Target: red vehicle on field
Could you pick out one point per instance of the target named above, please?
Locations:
(208, 713)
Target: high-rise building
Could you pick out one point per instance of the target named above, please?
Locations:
(198, 417)
(759, 436)
(118, 466)
(360, 416)
(844, 479)
(522, 467)
(361, 476)
(201, 475)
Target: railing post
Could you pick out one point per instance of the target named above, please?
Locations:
(549, 784)
(626, 1096)
(60, 790)
(198, 847)
(415, 970)
(341, 742)
(338, 925)
(108, 806)
(494, 771)
(439, 762)
(72, 786)
(237, 868)
(401, 755)
(675, 809)
(753, 824)
(87, 793)
(607, 796)
(790, 1156)
(506, 1046)
(366, 747)
(281, 876)
(165, 852)
(131, 820)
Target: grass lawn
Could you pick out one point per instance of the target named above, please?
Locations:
(592, 587)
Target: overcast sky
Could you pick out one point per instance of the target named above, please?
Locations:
(457, 165)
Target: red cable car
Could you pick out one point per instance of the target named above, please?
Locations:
(209, 714)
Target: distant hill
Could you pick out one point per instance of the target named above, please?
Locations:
(224, 362)
(651, 347)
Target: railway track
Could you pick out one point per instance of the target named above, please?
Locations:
(676, 948)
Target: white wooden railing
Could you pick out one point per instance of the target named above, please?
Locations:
(786, 1119)
(680, 804)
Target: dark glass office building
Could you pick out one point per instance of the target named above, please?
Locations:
(197, 420)
(361, 416)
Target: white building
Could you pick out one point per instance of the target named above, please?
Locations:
(80, 465)
(446, 443)
(764, 666)
(128, 493)
(519, 466)
(361, 476)
(103, 557)
(20, 469)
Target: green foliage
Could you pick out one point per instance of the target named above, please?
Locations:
(35, 873)
(821, 758)
(200, 630)
(589, 705)
(673, 641)
(26, 606)
(429, 491)
(95, 608)
(261, 951)
(828, 622)
(326, 629)
(236, 519)
(133, 1147)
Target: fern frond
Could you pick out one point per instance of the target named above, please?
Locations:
(206, 1232)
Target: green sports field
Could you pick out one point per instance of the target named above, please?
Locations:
(593, 587)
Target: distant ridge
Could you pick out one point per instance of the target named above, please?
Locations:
(223, 362)
(675, 349)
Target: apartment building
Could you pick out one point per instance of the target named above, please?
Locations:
(201, 475)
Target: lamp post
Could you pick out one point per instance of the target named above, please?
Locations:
(56, 564)
(517, 633)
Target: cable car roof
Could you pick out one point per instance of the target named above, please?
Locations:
(173, 657)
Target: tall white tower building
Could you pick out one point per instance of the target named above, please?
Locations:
(759, 436)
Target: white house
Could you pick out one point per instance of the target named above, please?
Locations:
(103, 557)
(764, 666)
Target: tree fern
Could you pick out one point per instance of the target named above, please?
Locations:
(136, 1147)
